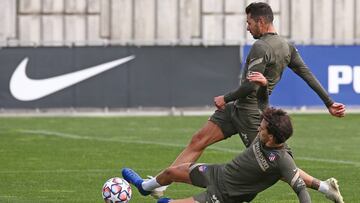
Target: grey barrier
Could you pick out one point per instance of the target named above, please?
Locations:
(168, 76)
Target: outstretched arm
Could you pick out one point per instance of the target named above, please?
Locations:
(334, 108)
(299, 188)
(298, 66)
(291, 175)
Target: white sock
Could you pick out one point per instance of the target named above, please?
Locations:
(324, 187)
(150, 185)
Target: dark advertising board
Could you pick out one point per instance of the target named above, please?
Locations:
(116, 77)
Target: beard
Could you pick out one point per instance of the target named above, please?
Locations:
(256, 33)
(256, 36)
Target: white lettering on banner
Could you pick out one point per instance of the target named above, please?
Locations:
(356, 72)
(343, 75)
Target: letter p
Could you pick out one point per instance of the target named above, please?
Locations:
(338, 75)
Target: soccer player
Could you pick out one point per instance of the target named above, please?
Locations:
(258, 167)
(238, 111)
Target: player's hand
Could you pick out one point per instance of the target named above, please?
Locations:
(219, 102)
(337, 110)
(257, 78)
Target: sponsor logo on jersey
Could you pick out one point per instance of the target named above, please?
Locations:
(260, 157)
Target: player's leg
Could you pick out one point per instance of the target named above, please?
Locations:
(201, 175)
(218, 127)
(329, 187)
(172, 174)
(209, 134)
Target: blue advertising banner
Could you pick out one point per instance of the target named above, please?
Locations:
(336, 67)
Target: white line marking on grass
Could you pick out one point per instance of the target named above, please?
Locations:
(7, 196)
(58, 191)
(73, 136)
(329, 161)
(78, 137)
(87, 171)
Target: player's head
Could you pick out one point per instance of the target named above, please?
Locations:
(275, 123)
(259, 17)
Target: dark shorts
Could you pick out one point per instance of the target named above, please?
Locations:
(233, 120)
(207, 176)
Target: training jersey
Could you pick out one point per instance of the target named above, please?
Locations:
(270, 55)
(258, 168)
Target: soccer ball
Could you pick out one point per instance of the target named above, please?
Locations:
(116, 190)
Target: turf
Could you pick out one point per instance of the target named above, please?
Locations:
(68, 159)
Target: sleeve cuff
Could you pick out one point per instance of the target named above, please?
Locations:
(227, 97)
(329, 103)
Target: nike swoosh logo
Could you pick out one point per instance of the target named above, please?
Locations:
(24, 88)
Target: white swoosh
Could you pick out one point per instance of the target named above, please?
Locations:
(26, 89)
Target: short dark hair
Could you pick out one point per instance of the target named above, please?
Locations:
(278, 124)
(260, 9)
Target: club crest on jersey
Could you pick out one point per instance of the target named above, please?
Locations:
(272, 157)
(202, 168)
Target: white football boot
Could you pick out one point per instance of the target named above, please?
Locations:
(334, 192)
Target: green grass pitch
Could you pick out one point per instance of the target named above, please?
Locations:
(68, 159)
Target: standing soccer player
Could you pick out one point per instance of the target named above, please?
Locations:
(238, 111)
(261, 165)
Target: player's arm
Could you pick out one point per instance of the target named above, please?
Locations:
(299, 67)
(244, 90)
(291, 175)
(262, 93)
(258, 57)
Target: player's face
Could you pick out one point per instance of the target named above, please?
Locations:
(253, 27)
(263, 132)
